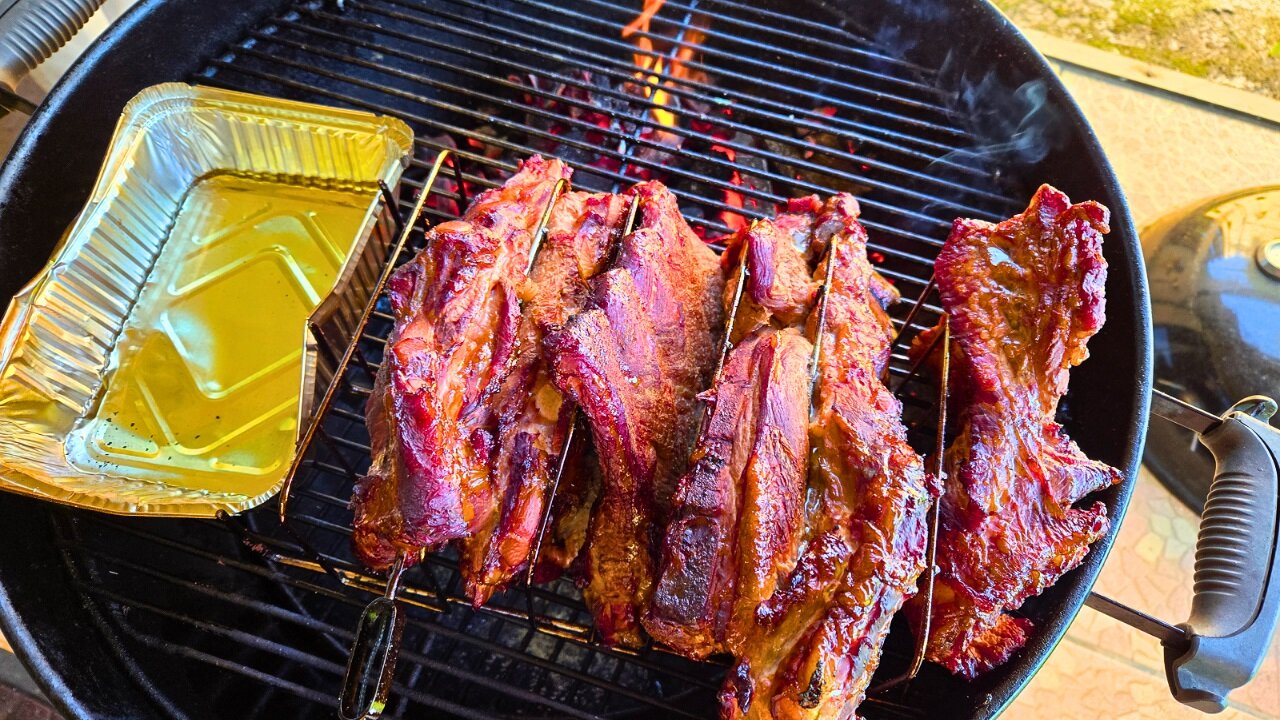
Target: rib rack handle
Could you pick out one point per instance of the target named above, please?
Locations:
(31, 31)
(371, 667)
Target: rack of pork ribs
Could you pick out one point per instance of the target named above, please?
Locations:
(577, 383)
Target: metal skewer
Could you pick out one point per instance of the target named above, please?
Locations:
(832, 248)
(406, 229)
(575, 414)
(732, 319)
(935, 510)
(943, 339)
(906, 325)
(539, 235)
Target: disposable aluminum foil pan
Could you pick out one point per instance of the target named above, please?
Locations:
(164, 362)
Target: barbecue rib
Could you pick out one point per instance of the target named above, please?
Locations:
(810, 223)
(634, 363)
(1024, 297)
(429, 416)
(532, 418)
(818, 639)
(736, 528)
(779, 288)
(737, 512)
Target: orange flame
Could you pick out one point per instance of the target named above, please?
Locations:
(652, 64)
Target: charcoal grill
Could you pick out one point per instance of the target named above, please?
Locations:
(930, 110)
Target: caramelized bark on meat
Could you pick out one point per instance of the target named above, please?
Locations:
(736, 522)
(429, 417)
(798, 222)
(532, 417)
(1024, 297)
(779, 287)
(818, 638)
(634, 362)
(738, 518)
(810, 223)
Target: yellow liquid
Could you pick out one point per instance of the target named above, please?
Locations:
(204, 380)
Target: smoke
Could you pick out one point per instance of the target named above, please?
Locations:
(1016, 127)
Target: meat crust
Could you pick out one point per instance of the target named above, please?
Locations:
(430, 414)
(634, 362)
(739, 509)
(818, 639)
(532, 419)
(1023, 297)
(779, 289)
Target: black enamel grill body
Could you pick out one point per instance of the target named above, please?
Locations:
(949, 113)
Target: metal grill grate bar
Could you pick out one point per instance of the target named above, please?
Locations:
(515, 147)
(640, 101)
(326, 629)
(713, 19)
(707, 158)
(611, 66)
(887, 250)
(843, 45)
(336, 668)
(612, 30)
(803, 117)
(771, 198)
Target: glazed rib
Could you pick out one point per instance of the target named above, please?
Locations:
(634, 362)
(1024, 297)
(430, 416)
(780, 289)
(738, 511)
(810, 223)
(818, 639)
(532, 417)
(736, 522)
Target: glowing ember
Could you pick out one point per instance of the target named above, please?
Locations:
(733, 198)
(652, 65)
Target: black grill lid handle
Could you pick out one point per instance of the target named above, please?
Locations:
(1236, 598)
(30, 31)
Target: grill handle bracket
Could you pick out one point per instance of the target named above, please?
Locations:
(1236, 597)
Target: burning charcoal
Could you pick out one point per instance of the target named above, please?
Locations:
(743, 174)
(580, 124)
(845, 162)
(440, 203)
(480, 147)
(446, 184)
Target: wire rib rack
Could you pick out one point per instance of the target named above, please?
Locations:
(262, 614)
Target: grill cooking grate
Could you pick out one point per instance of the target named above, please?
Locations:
(263, 616)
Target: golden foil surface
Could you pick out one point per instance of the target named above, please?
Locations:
(161, 363)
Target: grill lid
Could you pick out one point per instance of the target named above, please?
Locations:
(1216, 314)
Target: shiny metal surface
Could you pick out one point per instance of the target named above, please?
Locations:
(1176, 411)
(1133, 617)
(1268, 256)
(1216, 319)
(156, 366)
